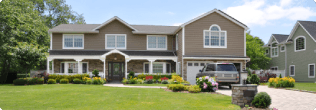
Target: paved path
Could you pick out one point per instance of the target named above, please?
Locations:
(122, 85)
(285, 99)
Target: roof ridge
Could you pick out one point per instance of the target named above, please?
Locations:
(281, 34)
(305, 21)
(151, 25)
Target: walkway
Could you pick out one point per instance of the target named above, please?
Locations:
(122, 85)
(285, 99)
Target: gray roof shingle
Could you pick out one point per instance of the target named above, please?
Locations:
(101, 52)
(280, 37)
(154, 29)
(75, 28)
(310, 26)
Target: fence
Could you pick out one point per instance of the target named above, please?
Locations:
(277, 72)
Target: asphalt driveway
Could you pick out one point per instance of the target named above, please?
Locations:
(284, 99)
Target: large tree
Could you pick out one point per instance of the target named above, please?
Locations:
(19, 23)
(55, 12)
(256, 52)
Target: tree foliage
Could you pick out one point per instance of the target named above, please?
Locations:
(256, 52)
(55, 12)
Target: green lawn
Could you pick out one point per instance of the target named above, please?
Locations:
(71, 96)
(163, 85)
(305, 86)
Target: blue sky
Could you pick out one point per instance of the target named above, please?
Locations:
(263, 17)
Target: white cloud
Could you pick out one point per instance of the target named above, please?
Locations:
(170, 13)
(177, 24)
(258, 12)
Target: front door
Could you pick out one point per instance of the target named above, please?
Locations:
(116, 71)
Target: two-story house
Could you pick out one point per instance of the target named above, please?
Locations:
(295, 54)
(116, 48)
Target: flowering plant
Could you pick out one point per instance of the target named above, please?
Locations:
(207, 84)
(281, 82)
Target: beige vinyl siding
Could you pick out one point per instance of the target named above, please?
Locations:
(97, 41)
(194, 37)
(179, 51)
(301, 59)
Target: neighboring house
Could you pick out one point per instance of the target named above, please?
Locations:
(295, 54)
(116, 48)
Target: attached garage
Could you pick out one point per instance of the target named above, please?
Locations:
(193, 67)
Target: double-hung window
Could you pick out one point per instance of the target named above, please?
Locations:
(282, 48)
(72, 67)
(292, 70)
(73, 41)
(115, 41)
(311, 70)
(215, 37)
(156, 42)
(158, 67)
(274, 50)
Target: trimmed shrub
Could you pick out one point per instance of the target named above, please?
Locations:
(131, 74)
(194, 89)
(40, 81)
(132, 80)
(176, 87)
(51, 81)
(89, 81)
(95, 72)
(254, 79)
(124, 81)
(164, 82)
(140, 81)
(149, 81)
(64, 81)
(141, 76)
(95, 82)
(32, 81)
(262, 100)
(20, 81)
(77, 81)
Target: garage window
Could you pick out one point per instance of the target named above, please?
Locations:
(196, 64)
(189, 64)
(202, 64)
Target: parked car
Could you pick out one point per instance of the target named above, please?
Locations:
(224, 73)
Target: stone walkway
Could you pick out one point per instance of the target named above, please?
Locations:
(284, 99)
(122, 85)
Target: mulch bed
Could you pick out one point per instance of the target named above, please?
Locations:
(166, 89)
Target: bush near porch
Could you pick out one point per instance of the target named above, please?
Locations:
(58, 77)
(155, 79)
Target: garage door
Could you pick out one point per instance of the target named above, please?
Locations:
(192, 69)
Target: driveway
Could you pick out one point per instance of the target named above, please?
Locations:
(284, 99)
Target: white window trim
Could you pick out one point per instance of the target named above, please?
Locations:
(277, 47)
(310, 71)
(177, 41)
(157, 42)
(73, 43)
(106, 35)
(290, 70)
(274, 67)
(66, 67)
(164, 65)
(220, 31)
(281, 48)
(295, 43)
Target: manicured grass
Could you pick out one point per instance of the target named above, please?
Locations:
(163, 85)
(305, 86)
(71, 96)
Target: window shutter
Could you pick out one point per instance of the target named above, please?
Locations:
(146, 68)
(168, 68)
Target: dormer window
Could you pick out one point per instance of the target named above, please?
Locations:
(215, 37)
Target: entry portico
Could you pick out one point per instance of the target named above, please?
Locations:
(114, 64)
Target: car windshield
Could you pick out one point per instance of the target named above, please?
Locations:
(226, 67)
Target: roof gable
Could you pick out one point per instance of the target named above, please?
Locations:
(219, 12)
(112, 19)
(308, 26)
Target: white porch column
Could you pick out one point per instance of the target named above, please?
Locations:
(47, 68)
(66, 68)
(79, 66)
(104, 65)
(151, 66)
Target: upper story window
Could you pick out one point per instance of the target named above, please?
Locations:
(300, 43)
(156, 42)
(282, 48)
(115, 41)
(274, 50)
(73, 41)
(215, 37)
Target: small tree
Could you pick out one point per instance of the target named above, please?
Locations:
(27, 56)
(95, 72)
(256, 52)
